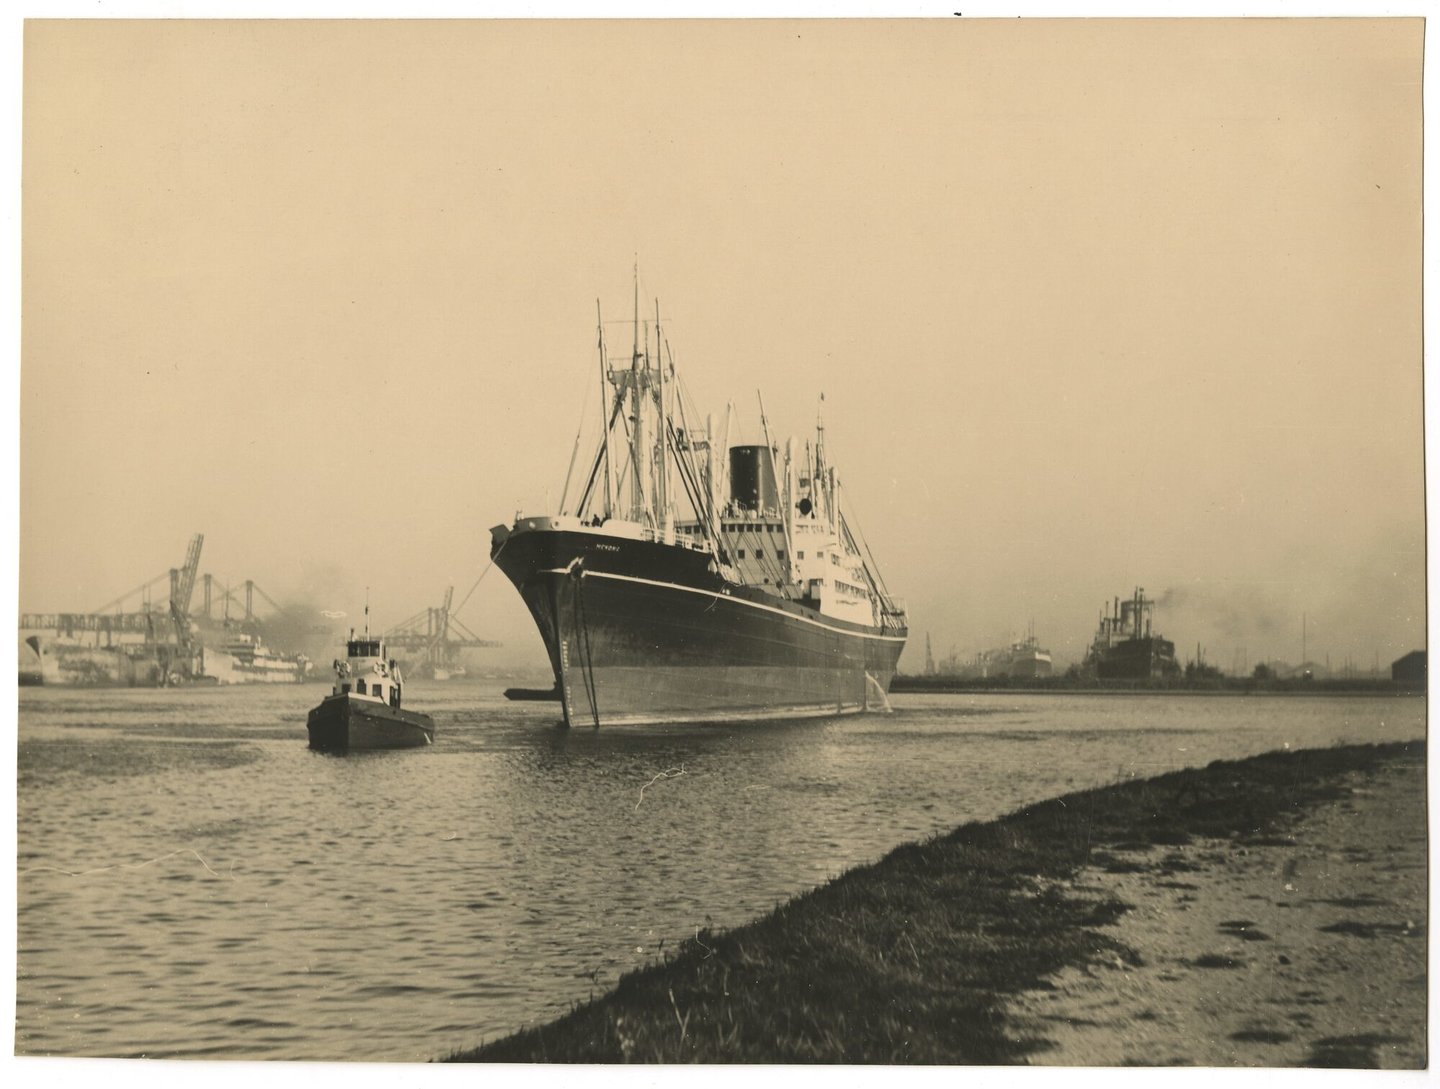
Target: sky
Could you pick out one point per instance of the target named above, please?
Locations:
(1093, 305)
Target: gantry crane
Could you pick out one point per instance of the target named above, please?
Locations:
(434, 635)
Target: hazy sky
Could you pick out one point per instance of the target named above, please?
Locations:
(1093, 304)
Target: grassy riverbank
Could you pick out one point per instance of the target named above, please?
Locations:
(920, 957)
(1210, 686)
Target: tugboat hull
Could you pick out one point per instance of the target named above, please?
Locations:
(343, 724)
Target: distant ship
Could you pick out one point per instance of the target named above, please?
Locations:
(237, 658)
(65, 664)
(696, 581)
(1023, 658)
(244, 659)
(1126, 648)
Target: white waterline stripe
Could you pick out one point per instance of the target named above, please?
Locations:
(681, 718)
(726, 597)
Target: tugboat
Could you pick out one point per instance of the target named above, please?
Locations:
(363, 711)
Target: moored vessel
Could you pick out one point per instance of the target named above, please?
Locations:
(242, 658)
(1020, 659)
(1125, 646)
(692, 580)
(363, 711)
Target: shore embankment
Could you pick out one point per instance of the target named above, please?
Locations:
(1069, 684)
(1268, 911)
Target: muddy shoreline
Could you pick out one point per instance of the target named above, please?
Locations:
(1260, 912)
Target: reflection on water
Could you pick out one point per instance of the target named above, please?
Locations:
(193, 881)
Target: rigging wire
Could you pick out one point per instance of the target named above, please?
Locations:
(872, 566)
(476, 583)
(575, 450)
(767, 561)
(601, 457)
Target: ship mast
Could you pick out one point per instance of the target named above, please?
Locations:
(662, 482)
(638, 461)
(604, 420)
(821, 479)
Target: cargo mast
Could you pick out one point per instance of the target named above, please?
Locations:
(662, 483)
(605, 420)
(637, 417)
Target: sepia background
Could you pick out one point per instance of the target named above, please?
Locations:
(1092, 304)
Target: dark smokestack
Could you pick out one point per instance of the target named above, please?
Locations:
(752, 478)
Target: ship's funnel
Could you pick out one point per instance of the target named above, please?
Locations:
(752, 478)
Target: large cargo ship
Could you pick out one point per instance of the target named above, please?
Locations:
(695, 581)
(1126, 648)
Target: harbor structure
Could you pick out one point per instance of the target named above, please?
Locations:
(429, 644)
(164, 642)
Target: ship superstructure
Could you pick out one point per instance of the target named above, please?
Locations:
(696, 580)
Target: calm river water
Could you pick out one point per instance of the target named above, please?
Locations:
(193, 881)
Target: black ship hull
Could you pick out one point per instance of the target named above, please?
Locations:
(344, 723)
(1138, 659)
(640, 631)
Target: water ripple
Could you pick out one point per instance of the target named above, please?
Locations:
(398, 906)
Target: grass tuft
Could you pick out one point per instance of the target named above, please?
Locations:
(1217, 960)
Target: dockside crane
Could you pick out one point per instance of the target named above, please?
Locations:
(148, 622)
(182, 588)
(440, 624)
(179, 664)
(434, 635)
